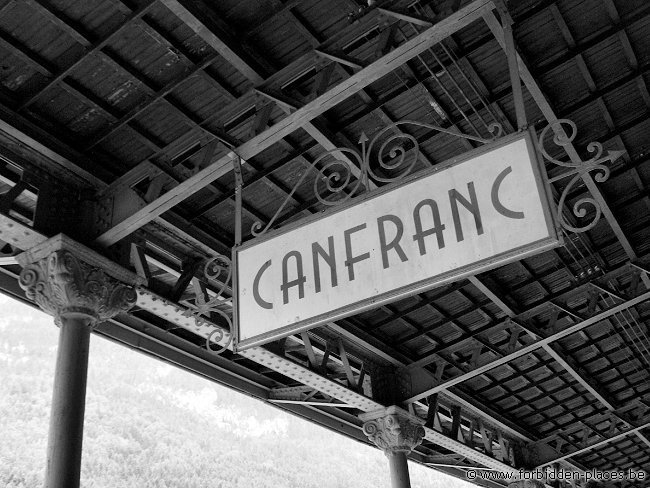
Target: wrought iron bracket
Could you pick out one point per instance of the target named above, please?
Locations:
(565, 132)
(388, 157)
(204, 305)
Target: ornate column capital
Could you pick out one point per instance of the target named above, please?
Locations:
(393, 429)
(69, 280)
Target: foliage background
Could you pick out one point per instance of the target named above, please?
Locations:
(149, 424)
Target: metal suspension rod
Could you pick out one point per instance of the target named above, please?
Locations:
(471, 84)
(457, 86)
(443, 88)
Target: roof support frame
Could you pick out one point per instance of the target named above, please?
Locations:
(297, 119)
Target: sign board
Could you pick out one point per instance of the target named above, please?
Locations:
(482, 210)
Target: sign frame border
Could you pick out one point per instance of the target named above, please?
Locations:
(554, 239)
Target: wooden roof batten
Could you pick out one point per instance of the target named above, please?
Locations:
(547, 347)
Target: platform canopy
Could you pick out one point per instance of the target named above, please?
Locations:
(162, 133)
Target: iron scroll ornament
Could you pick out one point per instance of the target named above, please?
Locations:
(204, 305)
(334, 182)
(578, 170)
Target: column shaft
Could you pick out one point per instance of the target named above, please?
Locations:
(68, 405)
(399, 470)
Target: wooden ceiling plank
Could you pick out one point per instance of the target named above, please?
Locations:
(26, 55)
(96, 46)
(57, 19)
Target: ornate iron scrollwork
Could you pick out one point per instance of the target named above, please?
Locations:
(217, 269)
(338, 179)
(579, 171)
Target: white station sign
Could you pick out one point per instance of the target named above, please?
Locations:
(488, 208)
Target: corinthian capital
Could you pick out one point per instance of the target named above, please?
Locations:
(393, 429)
(65, 283)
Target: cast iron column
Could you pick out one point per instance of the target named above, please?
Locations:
(397, 433)
(78, 295)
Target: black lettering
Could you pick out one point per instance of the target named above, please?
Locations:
(437, 228)
(498, 206)
(471, 205)
(394, 244)
(256, 287)
(349, 258)
(329, 258)
(299, 281)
